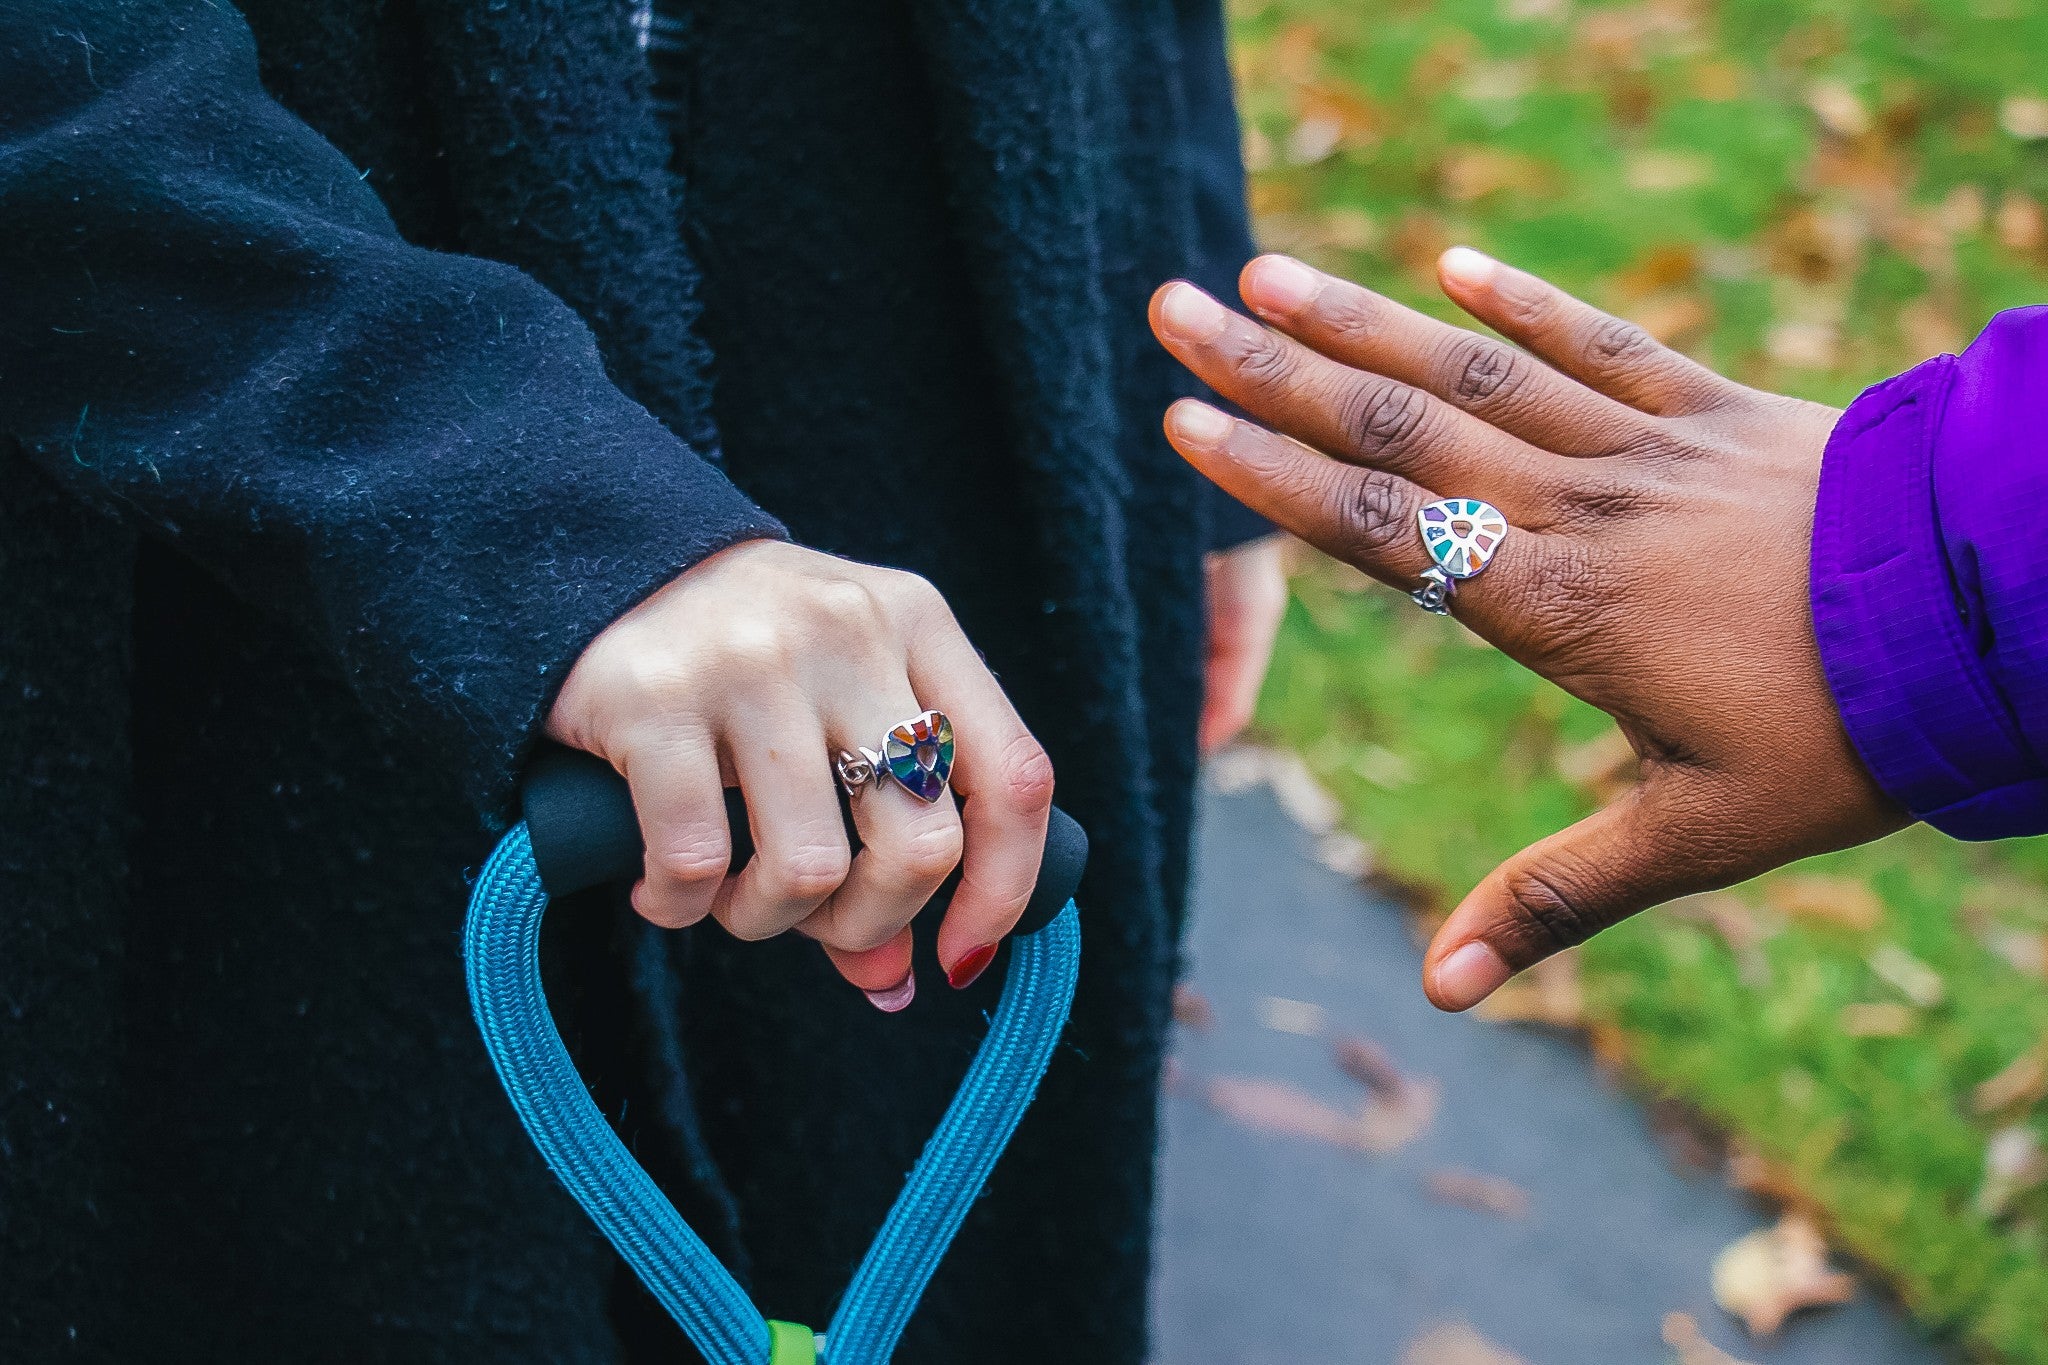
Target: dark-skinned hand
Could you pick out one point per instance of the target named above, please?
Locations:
(1656, 566)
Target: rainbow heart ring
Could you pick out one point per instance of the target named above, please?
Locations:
(1462, 536)
(918, 754)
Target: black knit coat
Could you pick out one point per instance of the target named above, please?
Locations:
(355, 371)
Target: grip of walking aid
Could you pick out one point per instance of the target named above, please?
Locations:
(579, 814)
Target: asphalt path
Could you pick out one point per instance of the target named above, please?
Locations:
(1279, 1249)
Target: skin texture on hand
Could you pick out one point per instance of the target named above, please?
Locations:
(1247, 597)
(1656, 566)
(753, 669)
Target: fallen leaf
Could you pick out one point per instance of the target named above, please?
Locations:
(1842, 902)
(1911, 977)
(1766, 1276)
(1391, 1123)
(1687, 1138)
(2019, 224)
(1456, 1343)
(1657, 172)
(2024, 950)
(2022, 1081)
(1305, 800)
(1282, 1015)
(1772, 1181)
(2024, 117)
(1548, 994)
(1674, 319)
(1191, 1009)
(1345, 854)
(1736, 923)
(1370, 1065)
(1928, 329)
(2013, 1164)
(1804, 345)
(1603, 767)
(1470, 173)
(1884, 1019)
(1280, 1108)
(1492, 1194)
(1838, 108)
(1682, 1334)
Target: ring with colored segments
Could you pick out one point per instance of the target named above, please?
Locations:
(1461, 535)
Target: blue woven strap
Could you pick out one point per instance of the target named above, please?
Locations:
(501, 948)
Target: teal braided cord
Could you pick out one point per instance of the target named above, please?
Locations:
(999, 1087)
(501, 948)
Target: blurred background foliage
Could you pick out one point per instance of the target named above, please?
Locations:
(1809, 195)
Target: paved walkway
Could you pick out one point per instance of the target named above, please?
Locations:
(1281, 1250)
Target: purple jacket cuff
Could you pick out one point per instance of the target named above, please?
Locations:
(1924, 586)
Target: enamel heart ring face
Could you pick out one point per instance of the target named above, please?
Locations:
(1461, 534)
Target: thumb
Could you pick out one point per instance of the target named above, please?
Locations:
(1657, 842)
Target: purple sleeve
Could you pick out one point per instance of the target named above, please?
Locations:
(1930, 582)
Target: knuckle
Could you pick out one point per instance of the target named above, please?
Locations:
(1615, 341)
(1387, 418)
(931, 854)
(1484, 371)
(846, 600)
(1547, 911)
(758, 648)
(808, 873)
(1529, 310)
(1351, 315)
(1374, 514)
(1266, 363)
(1026, 775)
(699, 863)
(1602, 501)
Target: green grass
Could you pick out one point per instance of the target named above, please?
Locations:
(1810, 196)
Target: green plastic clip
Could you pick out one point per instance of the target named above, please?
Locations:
(790, 1343)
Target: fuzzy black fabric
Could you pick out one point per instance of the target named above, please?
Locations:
(324, 458)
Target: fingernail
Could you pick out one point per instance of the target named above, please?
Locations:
(1469, 975)
(1468, 267)
(971, 965)
(1281, 284)
(1198, 424)
(897, 997)
(1191, 315)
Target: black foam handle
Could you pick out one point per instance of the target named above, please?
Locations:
(579, 814)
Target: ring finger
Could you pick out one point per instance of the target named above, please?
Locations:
(1363, 516)
(908, 846)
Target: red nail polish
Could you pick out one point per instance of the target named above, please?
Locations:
(970, 966)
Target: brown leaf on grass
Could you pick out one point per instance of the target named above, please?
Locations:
(1928, 328)
(1191, 1009)
(2024, 117)
(1682, 1334)
(1770, 1274)
(2020, 225)
(1841, 902)
(1548, 994)
(1470, 173)
(1838, 108)
(1602, 767)
(1675, 319)
(1907, 974)
(2013, 1165)
(1492, 1194)
(2023, 1081)
(1882, 1019)
(1736, 923)
(1456, 1343)
(1768, 1179)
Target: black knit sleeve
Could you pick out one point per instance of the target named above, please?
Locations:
(212, 331)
